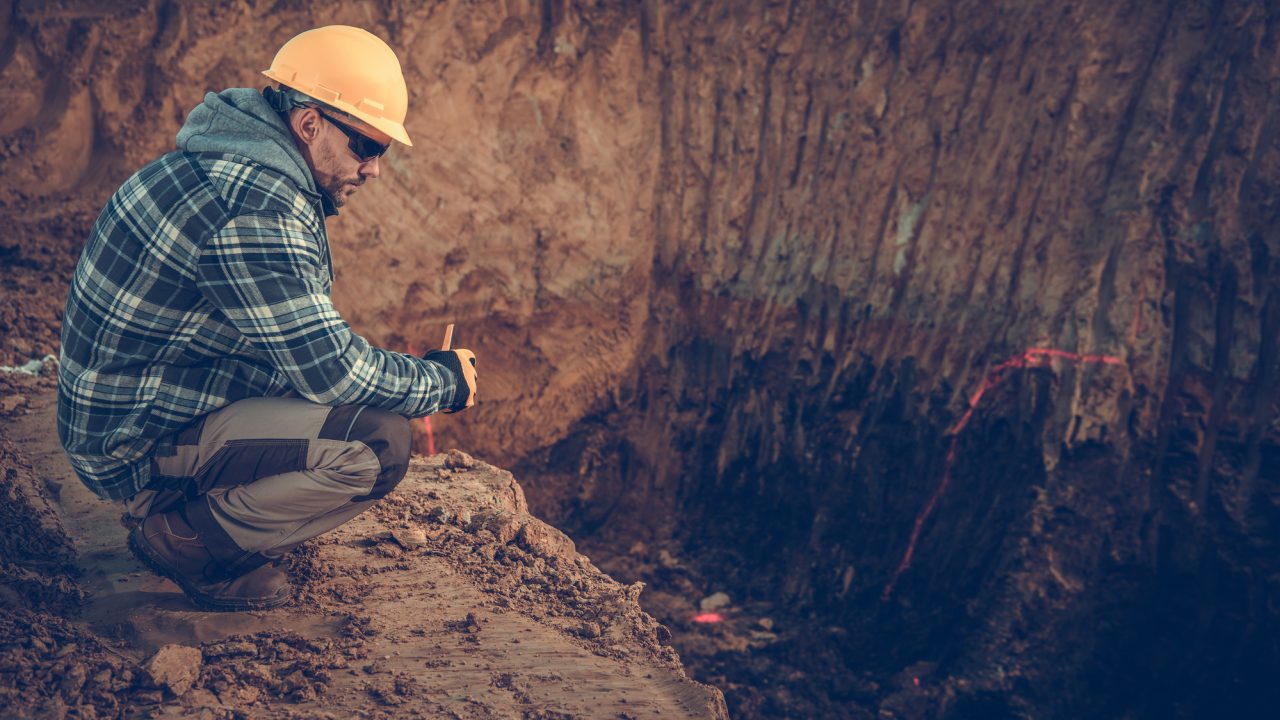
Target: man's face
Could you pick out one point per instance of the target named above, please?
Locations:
(337, 169)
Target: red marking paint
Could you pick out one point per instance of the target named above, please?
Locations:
(916, 680)
(708, 618)
(431, 438)
(426, 420)
(1033, 357)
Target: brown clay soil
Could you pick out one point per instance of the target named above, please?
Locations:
(736, 271)
(446, 600)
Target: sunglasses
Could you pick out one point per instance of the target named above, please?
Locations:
(364, 147)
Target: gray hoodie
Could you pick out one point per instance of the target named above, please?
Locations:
(240, 121)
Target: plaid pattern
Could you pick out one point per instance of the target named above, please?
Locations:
(206, 280)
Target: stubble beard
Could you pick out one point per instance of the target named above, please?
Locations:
(338, 190)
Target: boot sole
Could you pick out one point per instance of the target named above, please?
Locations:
(141, 549)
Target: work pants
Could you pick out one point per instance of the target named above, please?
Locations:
(260, 476)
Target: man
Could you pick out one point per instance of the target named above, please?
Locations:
(206, 379)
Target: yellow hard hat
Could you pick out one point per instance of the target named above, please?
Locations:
(351, 69)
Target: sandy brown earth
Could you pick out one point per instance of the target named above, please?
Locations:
(446, 600)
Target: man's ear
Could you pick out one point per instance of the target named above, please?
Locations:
(305, 123)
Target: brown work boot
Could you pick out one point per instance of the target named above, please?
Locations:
(169, 546)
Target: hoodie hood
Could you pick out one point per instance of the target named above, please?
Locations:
(240, 121)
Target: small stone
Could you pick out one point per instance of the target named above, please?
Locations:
(633, 592)
(458, 460)
(470, 624)
(666, 560)
(175, 667)
(638, 549)
(503, 524)
(409, 538)
(765, 624)
(541, 539)
(714, 601)
(589, 630)
(9, 403)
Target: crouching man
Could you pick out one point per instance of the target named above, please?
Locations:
(206, 379)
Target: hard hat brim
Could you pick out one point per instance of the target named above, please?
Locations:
(390, 127)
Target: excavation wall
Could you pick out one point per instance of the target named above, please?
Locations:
(952, 326)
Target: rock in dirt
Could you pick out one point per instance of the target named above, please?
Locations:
(409, 538)
(458, 460)
(175, 667)
(503, 524)
(528, 532)
(714, 601)
(540, 538)
(9, 403)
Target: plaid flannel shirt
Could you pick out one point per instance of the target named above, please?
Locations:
(206, 280)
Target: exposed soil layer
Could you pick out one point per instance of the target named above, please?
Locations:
(754, 286)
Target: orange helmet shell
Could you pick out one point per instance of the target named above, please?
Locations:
(351, 69)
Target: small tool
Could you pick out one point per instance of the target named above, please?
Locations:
(463, 357)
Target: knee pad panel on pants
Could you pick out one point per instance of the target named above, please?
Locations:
(386, 433)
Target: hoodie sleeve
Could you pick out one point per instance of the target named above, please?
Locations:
(264, 273)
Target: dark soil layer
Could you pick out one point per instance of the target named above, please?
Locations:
(754, 286)
(864, 215)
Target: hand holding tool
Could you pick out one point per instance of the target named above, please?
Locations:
(463, 365)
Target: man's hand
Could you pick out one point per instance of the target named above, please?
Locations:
(463, 365)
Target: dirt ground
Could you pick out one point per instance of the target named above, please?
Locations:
(446, 600)
(739, 272)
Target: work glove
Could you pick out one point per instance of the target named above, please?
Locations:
(462, 363)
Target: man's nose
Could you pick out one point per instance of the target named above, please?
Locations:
(370, 168)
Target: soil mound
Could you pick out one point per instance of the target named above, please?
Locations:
(445, 600)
